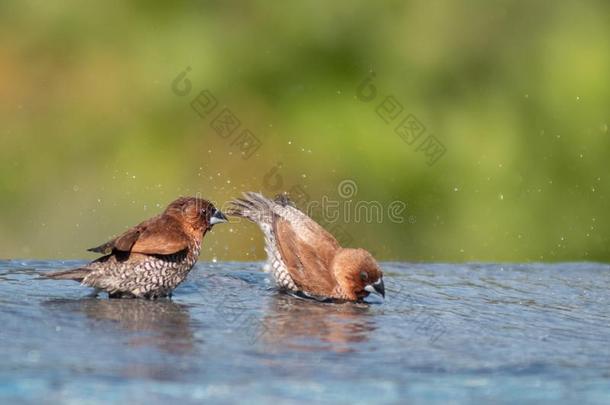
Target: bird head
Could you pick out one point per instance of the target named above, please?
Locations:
(200, 214)
(358, 273)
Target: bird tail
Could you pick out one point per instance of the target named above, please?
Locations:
(253, 206)
(77, 274)
(264, 212)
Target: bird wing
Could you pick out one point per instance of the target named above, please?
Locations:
(307, 250)
(160, 235)
(304, 249)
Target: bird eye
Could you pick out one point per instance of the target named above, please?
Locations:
(363, 276)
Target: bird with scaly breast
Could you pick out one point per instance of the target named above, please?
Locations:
(152, 258)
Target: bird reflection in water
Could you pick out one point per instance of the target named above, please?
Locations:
(294, 324)
(299, 335)
(160, 323)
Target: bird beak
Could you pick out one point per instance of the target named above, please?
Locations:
(376, 288)
(217, 218)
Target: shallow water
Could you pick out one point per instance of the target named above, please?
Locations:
(445, 334)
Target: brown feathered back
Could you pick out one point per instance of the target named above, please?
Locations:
(164, 234)
(159, 235)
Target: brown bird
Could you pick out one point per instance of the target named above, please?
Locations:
(150, 259)
(303, 257)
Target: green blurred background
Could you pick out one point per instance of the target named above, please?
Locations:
(518, 92)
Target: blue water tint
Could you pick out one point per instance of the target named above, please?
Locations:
(445, 334)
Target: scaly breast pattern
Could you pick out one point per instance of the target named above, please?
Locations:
(151, 276)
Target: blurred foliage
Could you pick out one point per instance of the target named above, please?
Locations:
(93, 139)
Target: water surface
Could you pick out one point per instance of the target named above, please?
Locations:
(467, 333)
